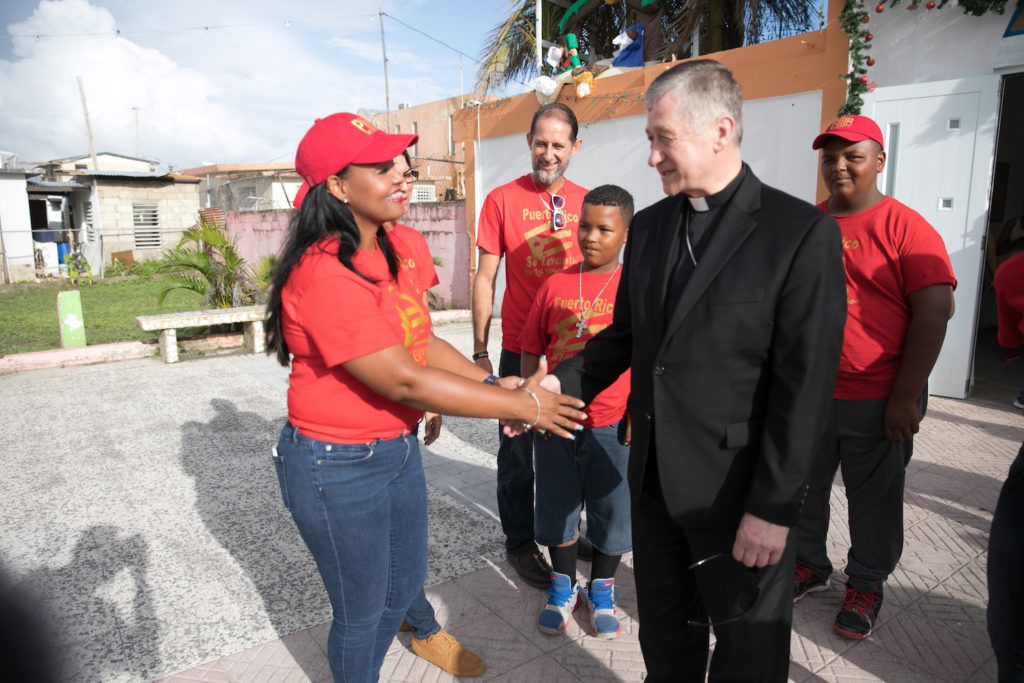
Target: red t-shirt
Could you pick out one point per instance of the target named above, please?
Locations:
(515, 223)
(414, 254)
(330, 315)
(889, 251)
(551, 330)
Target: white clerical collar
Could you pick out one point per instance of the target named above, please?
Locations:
(699, 203)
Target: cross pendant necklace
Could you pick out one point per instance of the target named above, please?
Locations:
(581, 325)
(689, 247)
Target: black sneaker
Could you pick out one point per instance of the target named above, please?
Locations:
(857, 617)
(532, 567)
(806, 581)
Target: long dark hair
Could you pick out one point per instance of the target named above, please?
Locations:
(320, 216)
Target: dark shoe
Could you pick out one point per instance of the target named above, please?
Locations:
(857, 617)
(584, 549)
(442, 650)
(532, 567)
(1010, 354)
(806, 581)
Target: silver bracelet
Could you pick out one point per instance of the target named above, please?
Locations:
(537, 400)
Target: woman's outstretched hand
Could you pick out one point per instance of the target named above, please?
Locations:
(558, 414)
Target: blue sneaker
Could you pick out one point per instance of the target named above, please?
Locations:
(602, 599)
(562, 599)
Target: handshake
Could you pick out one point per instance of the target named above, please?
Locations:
(556, 413)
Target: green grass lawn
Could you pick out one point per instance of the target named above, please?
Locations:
(28, 313)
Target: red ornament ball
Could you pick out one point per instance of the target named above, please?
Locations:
(868, 37)
(871, 86)
(930, 5)
(866, 19)
(880, 8)
(871, 61)
(863, 80)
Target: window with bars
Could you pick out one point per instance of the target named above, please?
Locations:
(424, 193)
(90, 227)
(147, 226)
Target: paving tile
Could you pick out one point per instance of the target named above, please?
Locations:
(591, 659)
(206, 673)
(866, 661)
(517, 604)
(986, 673)
(542, 669)
(294, 658)
(914, 636)
(455, 606)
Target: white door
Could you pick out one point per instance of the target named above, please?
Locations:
(940, 139)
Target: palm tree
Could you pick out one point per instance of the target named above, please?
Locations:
(509, 53)
(206, 262)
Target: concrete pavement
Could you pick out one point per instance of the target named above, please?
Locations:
(141, 513)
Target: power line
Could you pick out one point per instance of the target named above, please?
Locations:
(182, 29)
(441, 42)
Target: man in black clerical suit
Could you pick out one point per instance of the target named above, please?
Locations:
(730, 313)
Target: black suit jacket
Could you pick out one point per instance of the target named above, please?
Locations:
(734, 388)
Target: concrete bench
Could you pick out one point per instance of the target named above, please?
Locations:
(167, 325)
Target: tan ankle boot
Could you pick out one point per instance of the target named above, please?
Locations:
(441, 649)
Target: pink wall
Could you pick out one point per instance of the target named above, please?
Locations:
(443, 224)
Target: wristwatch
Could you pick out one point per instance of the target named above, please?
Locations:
(480, 354)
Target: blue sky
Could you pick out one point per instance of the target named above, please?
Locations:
(230, 81)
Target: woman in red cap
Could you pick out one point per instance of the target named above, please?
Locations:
(346, 311)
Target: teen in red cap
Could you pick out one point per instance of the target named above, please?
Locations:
(899, 289)
(347, 313)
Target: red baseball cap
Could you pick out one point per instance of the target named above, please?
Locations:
(852, 128)
(341, 139)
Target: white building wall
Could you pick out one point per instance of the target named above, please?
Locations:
(616, 151)
(921, 46)
(17, 227)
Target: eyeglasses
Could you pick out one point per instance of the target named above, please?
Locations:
(558, 219)
(744, 600)
(411, 175)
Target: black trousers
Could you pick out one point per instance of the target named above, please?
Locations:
(874, 474)
(670, 594)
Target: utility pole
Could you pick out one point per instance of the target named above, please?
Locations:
(88, 128)
(138, 138)
(387, 92)
(540, 40)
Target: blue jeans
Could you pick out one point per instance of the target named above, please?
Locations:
(420, 617)
(362, 511)
(515, 478)
(591, 469)
(1005, 569)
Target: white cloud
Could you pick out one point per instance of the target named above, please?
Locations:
(243, 90)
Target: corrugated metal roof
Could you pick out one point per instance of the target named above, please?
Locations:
(38, 183)
(135, 174)
(121, 174)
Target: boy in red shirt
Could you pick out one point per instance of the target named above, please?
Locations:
(899, 289)
(570, 308)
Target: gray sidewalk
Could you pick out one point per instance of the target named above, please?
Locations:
(141, 512)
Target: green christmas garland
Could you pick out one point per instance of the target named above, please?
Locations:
(854, 21)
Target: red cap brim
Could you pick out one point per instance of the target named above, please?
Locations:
(850, 136)
(301, 194)
(385, 149)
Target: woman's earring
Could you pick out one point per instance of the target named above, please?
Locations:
(345, 200)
